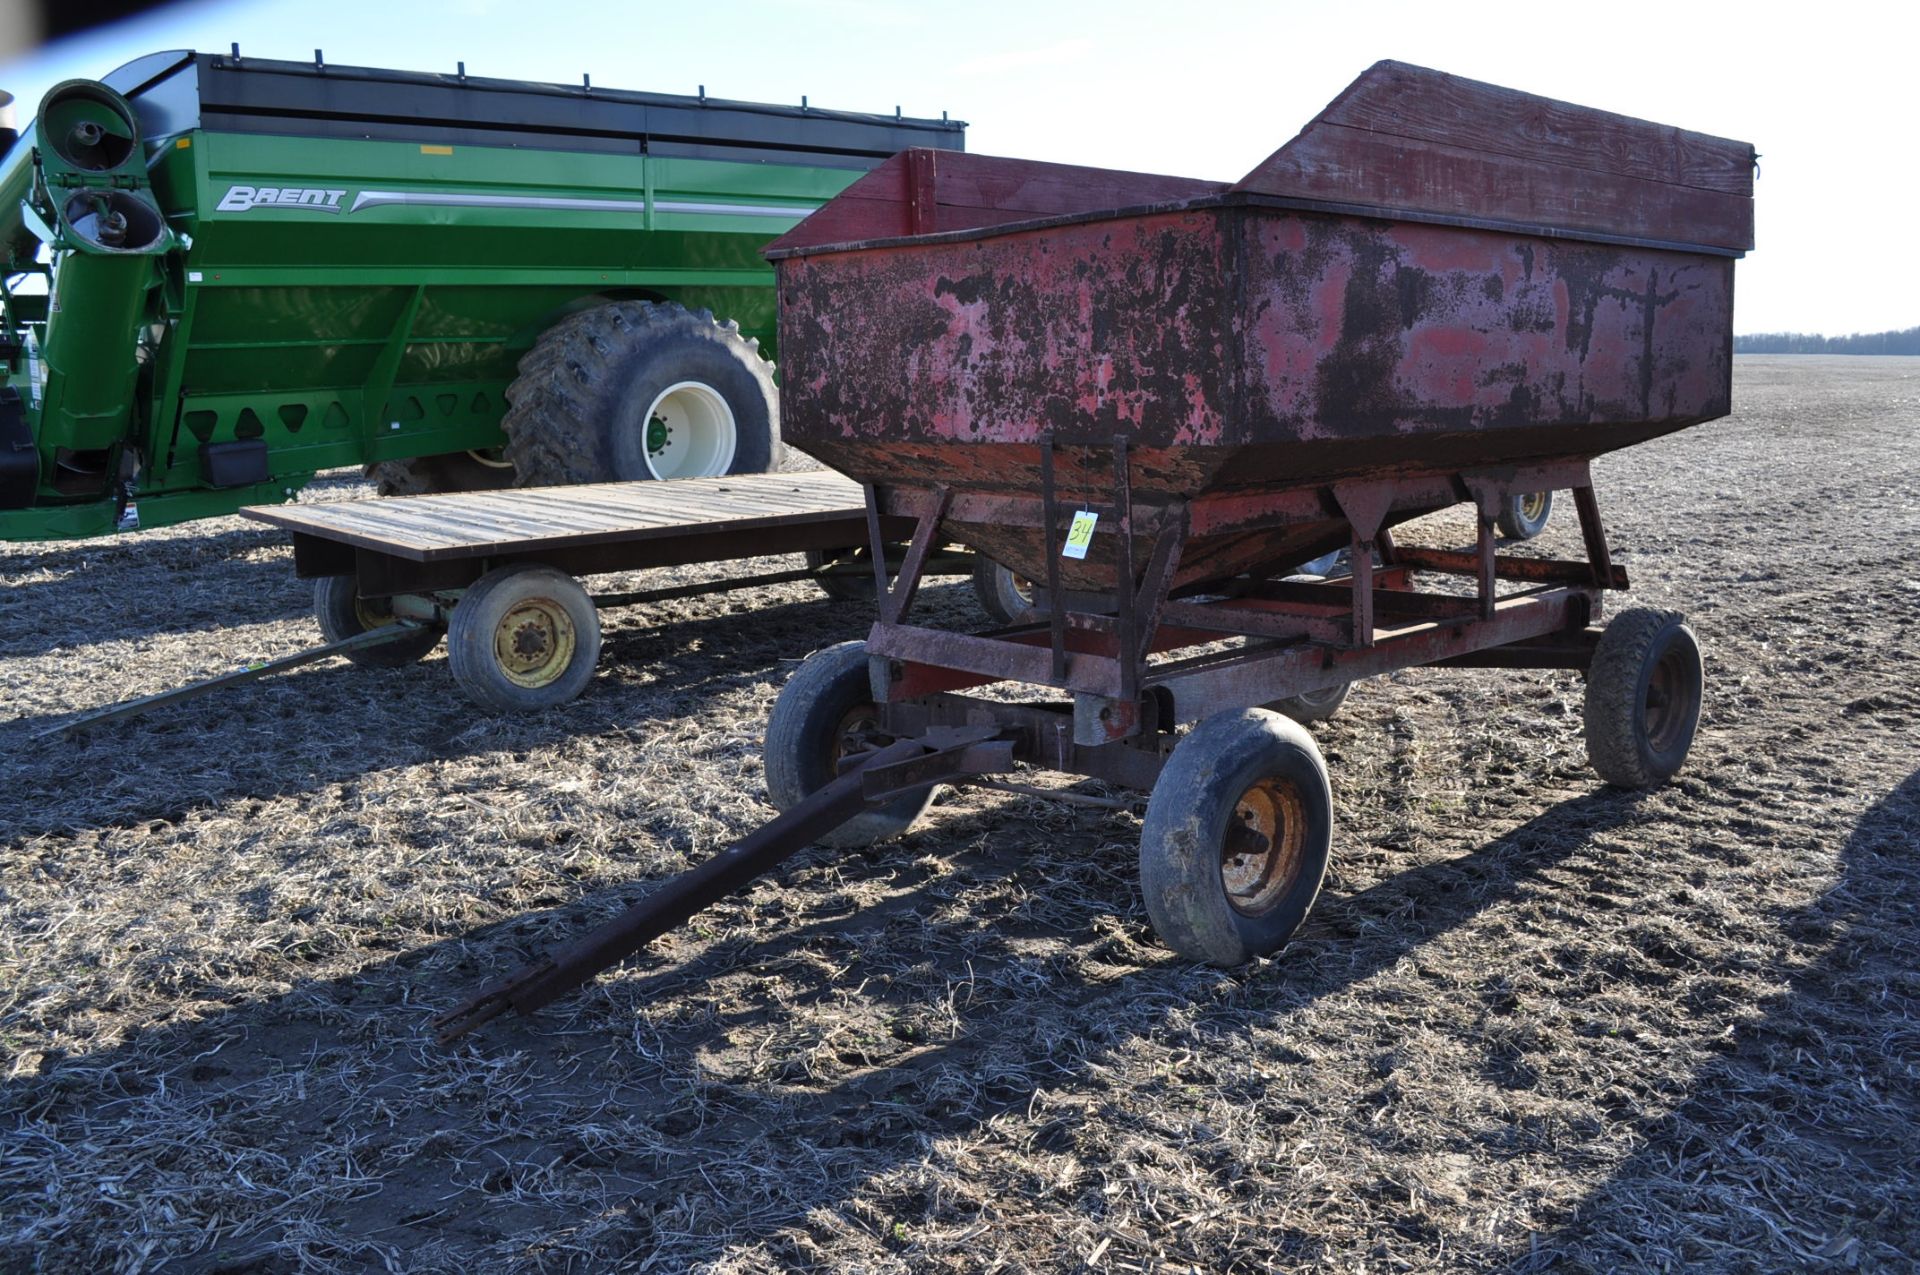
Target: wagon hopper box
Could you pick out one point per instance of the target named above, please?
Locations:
(224, 274)
(1151, 397)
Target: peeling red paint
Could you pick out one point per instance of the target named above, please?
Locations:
(1240, 346)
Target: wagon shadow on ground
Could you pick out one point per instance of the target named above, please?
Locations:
(1721, 1180)
(695, 1110)
(336, 722)
(233, 579)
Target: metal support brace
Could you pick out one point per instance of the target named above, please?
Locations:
(1595, 535)
(1056, 613)
(1365, 506)
(386, 368)
(876, 545)
(895, 602)
(1126, 645)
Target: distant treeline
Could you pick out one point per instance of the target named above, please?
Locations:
(1907, 342)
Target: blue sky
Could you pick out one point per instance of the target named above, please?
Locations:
(1204, 89)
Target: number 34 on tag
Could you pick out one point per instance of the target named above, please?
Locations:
(1080, 534)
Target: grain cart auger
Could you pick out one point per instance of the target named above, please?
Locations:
(1151, 397)
(225, 274)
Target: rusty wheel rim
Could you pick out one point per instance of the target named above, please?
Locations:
(1533, 506)
(1667, 704)
(857, 732)
(1264, 848)
(372, 613)
(534, 642)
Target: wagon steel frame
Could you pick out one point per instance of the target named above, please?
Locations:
(1119, 725)
(1307, 636)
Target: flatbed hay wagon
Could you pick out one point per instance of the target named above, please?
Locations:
(1151, 396)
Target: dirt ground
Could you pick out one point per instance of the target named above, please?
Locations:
(1534, 1024)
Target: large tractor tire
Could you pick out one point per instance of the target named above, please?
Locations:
(638, 390)
(456, 471)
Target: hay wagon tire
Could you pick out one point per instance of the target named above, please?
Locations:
(1313, 706)
(342, 614)
(839, 587)
(826, 709)
(1236, 838)
(524, 637)
(1005, 597)
(1524, 515)
(1644, 691)
(640, 390)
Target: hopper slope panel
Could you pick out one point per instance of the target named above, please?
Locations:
(1244, 346)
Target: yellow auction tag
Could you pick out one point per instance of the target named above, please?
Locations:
(1080, 535)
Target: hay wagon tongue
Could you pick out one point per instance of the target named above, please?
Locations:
(1151, 397)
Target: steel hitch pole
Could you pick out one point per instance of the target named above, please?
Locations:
(869, 778)
(251, 673)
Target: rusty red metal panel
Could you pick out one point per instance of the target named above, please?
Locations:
(1239, 348)
(1241, 343)
(923, 191)
(1417, 140)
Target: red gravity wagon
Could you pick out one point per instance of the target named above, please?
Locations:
(1152, 396)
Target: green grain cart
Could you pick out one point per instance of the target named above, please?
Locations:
(224, 275)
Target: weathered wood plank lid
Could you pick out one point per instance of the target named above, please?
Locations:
(1410, 139)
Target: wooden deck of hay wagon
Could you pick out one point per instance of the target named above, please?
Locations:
(1151, 396)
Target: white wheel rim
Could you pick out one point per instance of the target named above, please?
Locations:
(699, 429)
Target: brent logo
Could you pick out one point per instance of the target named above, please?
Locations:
(242, 198)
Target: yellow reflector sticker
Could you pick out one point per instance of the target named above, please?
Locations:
(183, 143)
(436, 150)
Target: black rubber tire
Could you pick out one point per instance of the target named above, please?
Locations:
(1314, 706)
(543, 612)
(1644, 691)
(1524, 516)
(844, 588)
(1184, 853)
(343, 615)
(804, 742)
(428, 475)
(999, 592)
(577, 410)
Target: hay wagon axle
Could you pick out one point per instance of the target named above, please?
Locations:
(1238, 827)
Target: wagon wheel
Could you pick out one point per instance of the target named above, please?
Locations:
(825, 714)
(1007, 598)
(1236, 838)
(1312, 706)
(343, 613)
(843, 586)
(1525, 516)
(523, 637)
(1644, 691)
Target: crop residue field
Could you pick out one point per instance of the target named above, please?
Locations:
(1533, 1025)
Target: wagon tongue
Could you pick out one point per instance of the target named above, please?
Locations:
(871, 779)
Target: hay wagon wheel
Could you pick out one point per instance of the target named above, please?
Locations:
(343, 613)
(523, 637)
